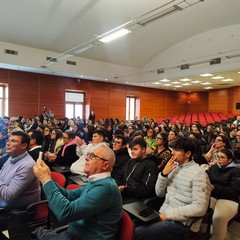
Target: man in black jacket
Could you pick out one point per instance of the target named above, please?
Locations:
(121, 153)
(139, 176)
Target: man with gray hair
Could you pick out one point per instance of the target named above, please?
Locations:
(93, 211)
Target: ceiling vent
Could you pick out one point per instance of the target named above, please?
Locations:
(71, 63)
(11, 52)
(215, 61)
(160, 70)
(184, 66)
(51, 59)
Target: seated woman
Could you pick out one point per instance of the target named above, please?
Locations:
(67, 154)
(150, 139)
(162, 153)
(225, 180)
(221, 142)
(55, 143)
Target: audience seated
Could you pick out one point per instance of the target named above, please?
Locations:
(150, 139)
(221, 142)
(83, 149)
(121, 154)
(18, 185)
(225, 181)
(93, 211)
(36, 143)
(162, 153)
(138, 178)
(67, 154)
(186, 188)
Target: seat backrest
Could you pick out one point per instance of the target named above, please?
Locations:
(58, 178)
(125, 228)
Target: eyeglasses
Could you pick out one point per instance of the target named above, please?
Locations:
(92, 155)
(117, 142)
(218, 140)
(158, 138)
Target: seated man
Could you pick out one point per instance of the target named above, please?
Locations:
(93, 212)
(121, 153)
(36, 142)
(186, 188)
(139, 176)
(98, 139)
(18, 185)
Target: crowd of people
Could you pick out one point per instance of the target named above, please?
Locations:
(193, 167)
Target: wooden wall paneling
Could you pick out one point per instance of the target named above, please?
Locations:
(235, 99)
(218, 101)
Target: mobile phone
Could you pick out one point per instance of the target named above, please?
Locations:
(146, 212)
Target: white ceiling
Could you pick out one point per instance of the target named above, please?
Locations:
(59, 25)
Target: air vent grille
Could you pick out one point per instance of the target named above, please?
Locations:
(71, 63)
(11, 52)
(184, 66)
(51, 59)
(215, 61)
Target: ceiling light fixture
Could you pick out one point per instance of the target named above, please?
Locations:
(228, 80)
(205, 83)
(217, 77)
(206, 75)
(196, 81)
(164, 80)
(114, 35)
(156, 14)
(185, 80)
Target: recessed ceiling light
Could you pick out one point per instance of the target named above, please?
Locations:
(217, 77)
(238, 72)
(228, 80)
(164, 80)
(167, 84)
(196, 81)
(205, 83)
(206, 75)
(185, 80)
(208, 87)
(157, 83)
(178, 86)
(186, 84)
(175, 82)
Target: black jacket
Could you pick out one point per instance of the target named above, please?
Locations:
(139, 178)
(69, 157)
(122, 157)
(226, 182)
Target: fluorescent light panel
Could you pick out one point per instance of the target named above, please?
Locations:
(114, 35)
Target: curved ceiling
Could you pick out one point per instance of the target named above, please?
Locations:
(60, 25)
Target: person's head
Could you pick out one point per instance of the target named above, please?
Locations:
(98, 136)
(17, 144)
(131, 129)
(172, 135)
(151, 133)
(162, 140)
(36, 138)
(6, 120)
(119, 142)
(75, 128)
(238, 118)
(232, 132)
(138, 148)
(137, 134)
(225, 157)
(100, 159)
(222, 141)
(196, 129)
(70, 123)
(68, 136)
(56, 134)
(46, 131)
(182, 150)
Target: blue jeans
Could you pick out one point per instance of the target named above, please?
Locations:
(169, 230)
(44, 234)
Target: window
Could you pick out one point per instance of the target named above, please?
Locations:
(130, 108)
(74, 104)
(3, 100)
